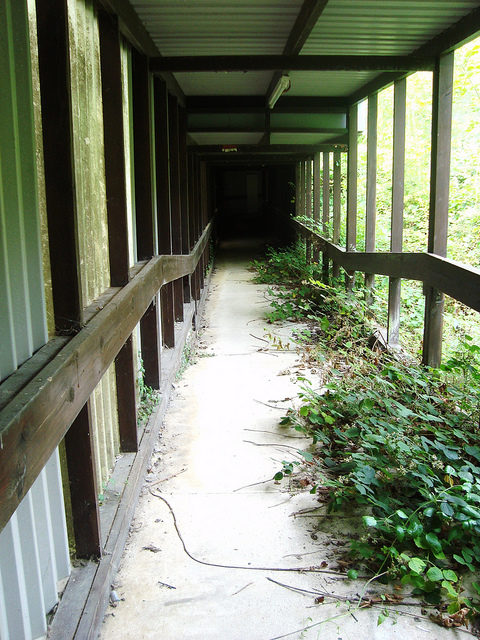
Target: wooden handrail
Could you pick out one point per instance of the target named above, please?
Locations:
(457, 280)
(34, 421)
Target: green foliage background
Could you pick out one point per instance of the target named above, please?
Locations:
(464, 210)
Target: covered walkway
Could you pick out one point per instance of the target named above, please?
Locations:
(133, 134)
(212, 468)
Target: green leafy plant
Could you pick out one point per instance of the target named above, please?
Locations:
(148, 398)
(399, 442)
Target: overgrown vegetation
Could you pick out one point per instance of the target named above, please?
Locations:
(464, 199)
(399, 442)
(148, 398)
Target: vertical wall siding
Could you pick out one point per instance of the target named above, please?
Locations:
(92, 207)
(33, 545)
(128, 145)
(22, 317)
(129, 171)
(33, 558)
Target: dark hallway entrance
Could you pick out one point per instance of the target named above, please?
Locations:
(255, 201)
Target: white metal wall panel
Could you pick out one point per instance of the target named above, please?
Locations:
(33, 545)
(22, 327)
(33, 558)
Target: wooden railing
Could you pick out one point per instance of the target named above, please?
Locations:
(35, 420)
(457, 280)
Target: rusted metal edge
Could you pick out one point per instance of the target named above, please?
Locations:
(35, 420)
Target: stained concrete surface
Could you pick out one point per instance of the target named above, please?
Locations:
(220, 446)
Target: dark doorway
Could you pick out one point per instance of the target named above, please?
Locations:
(255, 202)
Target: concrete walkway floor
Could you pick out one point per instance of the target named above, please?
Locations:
(220, 446)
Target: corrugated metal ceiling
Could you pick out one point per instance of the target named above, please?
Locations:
(262, 27)
(375, 27)
(328, 83)
(212, 27)
(224, 84)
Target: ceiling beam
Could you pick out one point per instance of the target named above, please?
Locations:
(132, 28)
(290, 63)
(252, 104)
(299, 130)
(307, 18)
(304, 24)
(459, 33)
(267, 149)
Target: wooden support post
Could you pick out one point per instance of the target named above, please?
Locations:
(325, 209)
(83, 485)
(144, 210)
(301, 197)
(352, 186)
(198, 199)
(308, 203)
(302, 188)
(352, 178)
(145, 229)
(297, 188)
(150, 344)
(175, 201)
(183, 166)
(398, 183)
(316, 199)
(164, 223)
(439, 193)
(193, 218)
(125, 376)
(53, 52)
(371, 204)
(192, 212)
(337, 201)
(117, 215)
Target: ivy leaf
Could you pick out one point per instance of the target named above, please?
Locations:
(306, 455)
(459, 559)
(449, 588)
(473, 451)
(400, 531)
(447, 509)
(417, 565)
(433, 542)
(381, 618)
(401, 514)
(450, 575)
(369, 521)
(476, 586)
(434, 574)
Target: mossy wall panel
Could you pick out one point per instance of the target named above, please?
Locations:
(91, 206)
(22, 305)
(33, 544)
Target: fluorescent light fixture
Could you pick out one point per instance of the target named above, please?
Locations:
(282, 85)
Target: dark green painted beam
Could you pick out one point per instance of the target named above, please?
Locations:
(192, 64)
